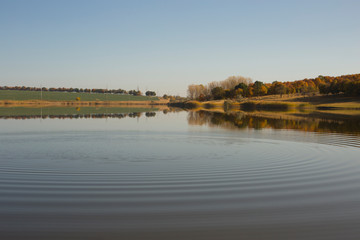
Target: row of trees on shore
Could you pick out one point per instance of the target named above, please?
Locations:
(239, 87)
(80, 90)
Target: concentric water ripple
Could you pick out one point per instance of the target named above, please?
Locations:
(188, 185)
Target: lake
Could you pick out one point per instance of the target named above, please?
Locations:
(149, 173)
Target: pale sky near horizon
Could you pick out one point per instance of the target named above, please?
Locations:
(166, 45)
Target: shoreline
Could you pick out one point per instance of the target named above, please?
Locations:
(36, 103)
(319, 102)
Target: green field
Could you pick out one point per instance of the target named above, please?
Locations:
(25, 111)
(66, 96)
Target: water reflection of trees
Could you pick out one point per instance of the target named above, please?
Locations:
(150, 114)
(79, 113)
(240, 120)
(82, 116)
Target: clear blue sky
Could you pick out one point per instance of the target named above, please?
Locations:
(167, 45)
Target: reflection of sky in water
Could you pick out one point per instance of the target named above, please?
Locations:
(169, 125)
(163, 175)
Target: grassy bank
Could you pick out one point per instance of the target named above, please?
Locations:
(283, 103)
(318, 101)
(280, 106)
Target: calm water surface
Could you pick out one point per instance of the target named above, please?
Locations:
(180, 175)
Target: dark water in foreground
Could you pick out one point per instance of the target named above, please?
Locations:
(179, 175)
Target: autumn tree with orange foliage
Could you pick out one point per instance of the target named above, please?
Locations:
(235, 87)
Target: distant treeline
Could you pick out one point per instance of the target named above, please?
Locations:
(80, 90)
(240, 87)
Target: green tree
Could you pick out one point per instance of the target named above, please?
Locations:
(280, 88)
(244, 88)
(259, 88)
(218, 93)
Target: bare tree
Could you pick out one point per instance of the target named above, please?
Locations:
(195, 91)
(232, 81)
